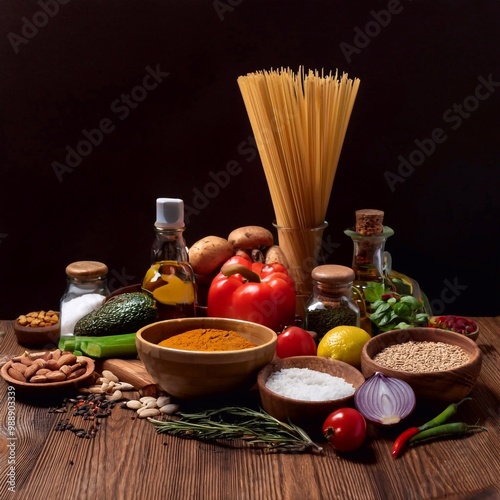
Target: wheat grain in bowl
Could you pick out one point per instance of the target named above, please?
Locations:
(437, 364)
(422, 356)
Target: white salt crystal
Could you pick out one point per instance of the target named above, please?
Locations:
(77, 308)
(308, 385)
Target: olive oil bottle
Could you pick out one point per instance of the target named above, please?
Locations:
(170, 279)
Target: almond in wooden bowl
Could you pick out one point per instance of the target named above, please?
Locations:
(29, 384)
(307, 410)
(437, 364)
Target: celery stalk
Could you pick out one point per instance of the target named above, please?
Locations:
(107, 346)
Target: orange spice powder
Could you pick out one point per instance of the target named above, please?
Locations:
(208, 339)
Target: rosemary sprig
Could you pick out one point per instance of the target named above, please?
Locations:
(256, 428)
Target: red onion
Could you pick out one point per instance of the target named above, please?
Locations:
(384, 400)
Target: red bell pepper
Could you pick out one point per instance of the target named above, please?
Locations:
(253, 291)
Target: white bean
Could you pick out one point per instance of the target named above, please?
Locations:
(123, 386)
(162, 401)
(134, 404)
(110, 375)
(169, 409)
(115, 396)
(149, 412)
(147, 399)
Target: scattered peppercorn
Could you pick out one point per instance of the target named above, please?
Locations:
(90, 408)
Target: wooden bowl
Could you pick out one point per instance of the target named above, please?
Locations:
(51, 388)
(447, 385)
(45, 337)
(197, 374)
(308, 414)
(471, 335)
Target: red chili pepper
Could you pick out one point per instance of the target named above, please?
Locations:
(255, 292)
(402, 439)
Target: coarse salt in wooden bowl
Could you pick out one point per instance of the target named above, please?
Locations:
(308, 414)
(445, 385)
(189, 375)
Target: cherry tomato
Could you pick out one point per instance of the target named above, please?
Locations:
(295, 341)
(345, 429)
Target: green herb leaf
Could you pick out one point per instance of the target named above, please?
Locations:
(256, 428)
(411, 301)
(402, 310)
(374, 291)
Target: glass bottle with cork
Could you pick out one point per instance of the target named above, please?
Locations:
(170, 279)
(331, 303)
(86, 291)
(371, 263)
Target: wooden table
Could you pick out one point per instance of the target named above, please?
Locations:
(129, 460)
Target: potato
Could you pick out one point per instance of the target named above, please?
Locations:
(275, 254)
(208, 254)
(249, 237)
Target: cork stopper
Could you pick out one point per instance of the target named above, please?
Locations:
(334, 274)
(369, 221)
(86, 270)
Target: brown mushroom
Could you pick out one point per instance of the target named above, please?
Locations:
(249, 237)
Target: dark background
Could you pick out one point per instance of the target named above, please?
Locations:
(67, 76)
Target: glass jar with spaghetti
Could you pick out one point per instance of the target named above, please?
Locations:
(331, 303)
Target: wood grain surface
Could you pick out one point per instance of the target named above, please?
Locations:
(129, 460)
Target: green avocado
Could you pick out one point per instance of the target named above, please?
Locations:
(124, 313)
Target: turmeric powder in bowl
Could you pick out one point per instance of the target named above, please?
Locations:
(207, 339)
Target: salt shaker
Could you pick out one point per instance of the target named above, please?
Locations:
(86, 290)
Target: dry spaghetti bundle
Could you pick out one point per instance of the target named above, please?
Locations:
(299, 122)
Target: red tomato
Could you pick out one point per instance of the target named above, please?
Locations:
(345, 429)
(295, 341)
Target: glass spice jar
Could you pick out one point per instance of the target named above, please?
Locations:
(86, 290)
(331, 303)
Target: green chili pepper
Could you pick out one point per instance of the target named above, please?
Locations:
(407, 435)
(448, 412)
(445, 430)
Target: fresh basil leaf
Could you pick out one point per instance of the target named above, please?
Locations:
(383, 306)
(377, 304)
(374, 291)
(402, 310)
(421, 318)
(411, 301)
(379, 315)
(402, 326)
(386, 319)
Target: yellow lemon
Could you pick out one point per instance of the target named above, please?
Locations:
(344, 343)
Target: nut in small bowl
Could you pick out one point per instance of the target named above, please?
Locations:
(437, 364)
(38, 329)
(38, 374)
(308, 414)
